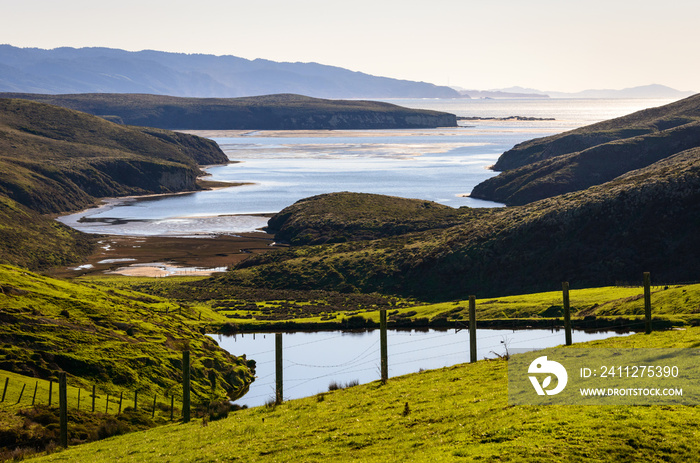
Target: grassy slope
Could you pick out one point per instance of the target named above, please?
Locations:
(284, 111)
(57, 160)
(31, 240)
(455, 412)
(120, 340)
(592, 155)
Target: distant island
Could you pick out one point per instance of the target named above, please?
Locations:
(268, 112)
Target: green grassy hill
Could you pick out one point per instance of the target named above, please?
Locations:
(339, 217)
(450, 414)
(281, 111)
(115, 338)
(121, 342)
(592, 155)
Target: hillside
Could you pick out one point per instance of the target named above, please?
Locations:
(274, 112)
(455, 413)
(54, 159)
(91, 70)
(115, 338)
(591, 155)
(645, 220)
(121, 342)
(33, 241)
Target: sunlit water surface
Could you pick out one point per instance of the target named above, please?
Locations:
(440, 165)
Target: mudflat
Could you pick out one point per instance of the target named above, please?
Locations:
(115, 252)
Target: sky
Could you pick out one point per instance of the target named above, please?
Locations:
(550, 45)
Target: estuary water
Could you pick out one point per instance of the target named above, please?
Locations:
(281, 167)
(311, 361)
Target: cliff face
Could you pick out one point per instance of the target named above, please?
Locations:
(270, 112)
(360, 120)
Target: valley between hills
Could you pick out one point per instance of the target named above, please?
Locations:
(596, 207)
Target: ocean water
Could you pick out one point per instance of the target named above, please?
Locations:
(441, 165)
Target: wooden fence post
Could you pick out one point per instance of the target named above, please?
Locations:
(647, 303)
(50, 391)
(107, 404)
(21, 392)
(186, 386)
(384, 348)
(36, 386)
(121, 396)
(172, 406)
(567, 312)
(93, 398)
(63, 408)
(78, 399)
(279, 370)
(4, 391)
(472, 329)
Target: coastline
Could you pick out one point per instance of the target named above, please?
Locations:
(164, 255)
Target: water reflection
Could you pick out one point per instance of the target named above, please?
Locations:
(313, 360)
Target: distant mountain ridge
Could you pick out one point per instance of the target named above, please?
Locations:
(643, 91)
(106, 70)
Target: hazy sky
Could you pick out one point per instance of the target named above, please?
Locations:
(553, 45)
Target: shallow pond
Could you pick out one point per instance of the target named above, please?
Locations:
(313, 360)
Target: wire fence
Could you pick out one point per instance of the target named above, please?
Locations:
(21, 392)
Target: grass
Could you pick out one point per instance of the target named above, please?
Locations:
(439, 415)
(611, 305)
(115, 338)
(608, 301)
